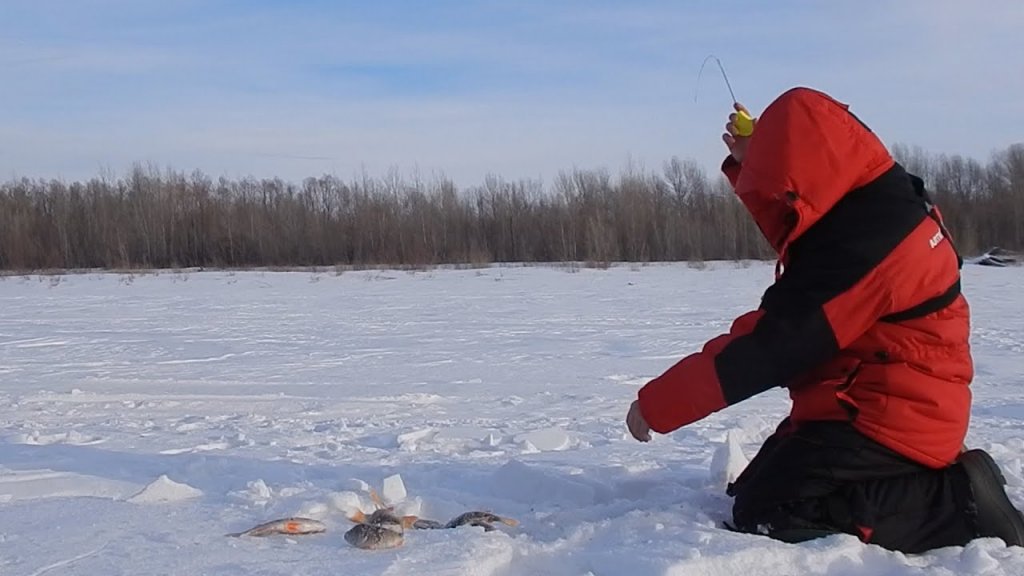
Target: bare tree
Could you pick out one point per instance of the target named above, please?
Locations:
(154, 218)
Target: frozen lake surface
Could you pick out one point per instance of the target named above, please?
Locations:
(144, 417)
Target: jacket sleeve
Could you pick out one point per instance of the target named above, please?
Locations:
(732, 169)
(804, 319)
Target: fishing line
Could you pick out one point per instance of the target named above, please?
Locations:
(744, 123)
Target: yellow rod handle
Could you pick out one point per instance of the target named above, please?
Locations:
(744, 123)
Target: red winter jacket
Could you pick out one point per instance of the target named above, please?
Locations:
(866, 323)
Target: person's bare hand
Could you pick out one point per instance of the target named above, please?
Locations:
(737, 144)
(638, 427)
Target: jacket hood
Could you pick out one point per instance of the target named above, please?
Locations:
(807, 152)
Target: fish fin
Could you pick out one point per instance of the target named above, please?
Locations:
(510, 522)
(376, 498)
(408, 521)
(359, 517)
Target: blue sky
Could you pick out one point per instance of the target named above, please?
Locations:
(465, 89)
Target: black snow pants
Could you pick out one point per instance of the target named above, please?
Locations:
(826, 477)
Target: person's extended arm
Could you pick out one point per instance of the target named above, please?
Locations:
(804, 319)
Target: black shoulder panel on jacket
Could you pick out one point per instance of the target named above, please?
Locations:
(858, 233)
(829, 259)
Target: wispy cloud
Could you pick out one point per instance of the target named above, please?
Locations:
(525, 89)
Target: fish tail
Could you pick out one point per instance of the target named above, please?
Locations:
(408, 521)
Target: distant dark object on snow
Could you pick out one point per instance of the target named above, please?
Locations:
(997, 257)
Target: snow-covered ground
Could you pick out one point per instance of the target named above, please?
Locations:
(144, 417)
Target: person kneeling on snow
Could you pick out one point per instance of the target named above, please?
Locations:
(866, 327)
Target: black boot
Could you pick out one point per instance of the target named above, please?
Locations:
(994, 514)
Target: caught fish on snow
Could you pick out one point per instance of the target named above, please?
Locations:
(384, 529)
(294, 526)
(374, 537)
(485, 520)
(380, 530)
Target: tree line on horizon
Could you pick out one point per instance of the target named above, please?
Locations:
(169, 219)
